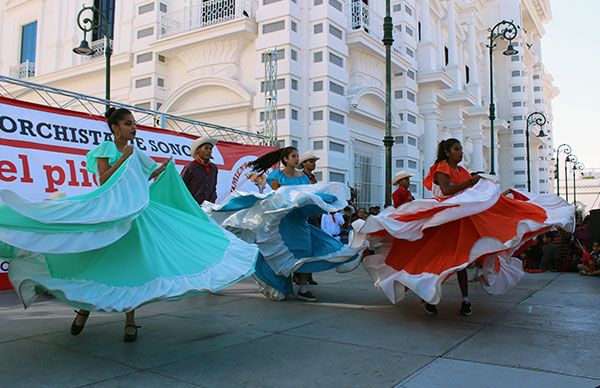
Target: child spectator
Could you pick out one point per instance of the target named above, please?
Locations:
(550, 255)
(590, 265)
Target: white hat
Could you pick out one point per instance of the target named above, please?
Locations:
(308, 156)
(400, 175)
(199, 141)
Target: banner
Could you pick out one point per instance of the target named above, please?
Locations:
(42, 150)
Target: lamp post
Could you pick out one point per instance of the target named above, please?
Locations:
(505, 30)
(539, 119)
(388, 140)
(573, 159)
(86, 25)
(565, 148)
(577, 166)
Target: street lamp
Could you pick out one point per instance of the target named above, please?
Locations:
(565, 148)
(573, 159)
(577, 166)
(539, 119)
(87, 25)
(505, 30)
(388, 140)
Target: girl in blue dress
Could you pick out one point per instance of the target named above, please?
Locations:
(277, 223)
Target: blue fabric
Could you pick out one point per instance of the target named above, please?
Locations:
(265, 273)
(284, 180)
(241, 202)
(320, 266)
(327, 198)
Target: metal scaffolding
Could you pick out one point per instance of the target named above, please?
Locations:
(22, 90)
(270, 58)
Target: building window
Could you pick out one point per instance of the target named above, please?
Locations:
(467, 74)
(519, 172)
(107, 7)
(294, 26)
(410, 52)
(144, 105)
(336, 117)
(162, 7)
(412, 140)
(141, 58)
(267, 2)
(538, 101)
(411, 74)
(273, 27)
(537, 89)
(408, 10)
(336, 88)
(142, 9)
(411, 118)
(160, 82)
(145, 32)
(317, 86)
(143, 82)
(518, 118)
(294, 114)
(518, 145)
(337, 177)
(317, 115)
(397, 8)
(446, 54)
(419, 30)
(28, 44)
(518, 132)
(318, 145)
(294, 54)
(519, 186)
(280, 55)
(516, 104)
(295, 144)
(294, 84)
(517, 89)
(318, 2)
(400, 163)
(280, 115)
(318, 56)
(318, 28)
(336, 4)
(336, 60)
(516, 73)
(335, 31)
(280, 84)
(368, 175)
(518, 158)
(409, 31)
(515, 58)
(401, 116)
(162, 58)
(398, 94)
(337, 147)
(536, 76)
(410, 96)
(412, 164)
(398, 27)
(399, 139)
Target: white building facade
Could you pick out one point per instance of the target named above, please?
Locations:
(205, 60)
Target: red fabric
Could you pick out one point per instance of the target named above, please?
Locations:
(456, 176)
(401, 196)
(4, 282)
(449, 245)
(204, 164)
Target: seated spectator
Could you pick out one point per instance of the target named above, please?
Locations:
(562, 242)
(550, 255)
(362, 213)
(590, 264)
(582, 234)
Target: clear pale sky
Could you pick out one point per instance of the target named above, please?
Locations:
(571, 53)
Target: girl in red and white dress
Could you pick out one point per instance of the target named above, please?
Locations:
(422, 243)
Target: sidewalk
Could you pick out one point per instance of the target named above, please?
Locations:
(544, 333)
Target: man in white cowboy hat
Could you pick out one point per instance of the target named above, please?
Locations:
(402, 193)
(200, 175)
(308, 162)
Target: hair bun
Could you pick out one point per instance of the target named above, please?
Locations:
(109, 112)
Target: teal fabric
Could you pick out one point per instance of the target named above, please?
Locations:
(106, 149)
(168, 249)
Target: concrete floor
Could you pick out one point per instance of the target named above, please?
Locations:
(544, 333)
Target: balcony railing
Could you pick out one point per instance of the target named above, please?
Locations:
(205, 14)
(23, 70)
(362, 17)
(98, 46)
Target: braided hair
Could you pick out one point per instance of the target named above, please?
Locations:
(114, 115)
(265, 162)
(444, 148)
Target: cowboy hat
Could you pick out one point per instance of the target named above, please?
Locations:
(308, 156)
(200, 141)
(400, 175)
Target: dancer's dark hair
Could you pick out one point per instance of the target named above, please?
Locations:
(114, 115)
(444, 149)
(267, 161)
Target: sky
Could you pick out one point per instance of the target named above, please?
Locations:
(571, 53)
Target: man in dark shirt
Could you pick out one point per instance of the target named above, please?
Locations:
(200, 175)
(402, 194)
